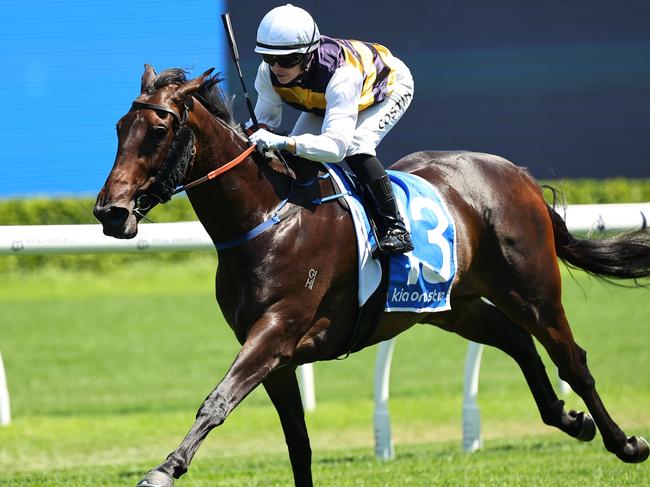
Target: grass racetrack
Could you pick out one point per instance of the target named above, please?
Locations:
(106, 372)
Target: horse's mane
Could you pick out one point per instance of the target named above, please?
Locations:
(210, 93)
(217, 103)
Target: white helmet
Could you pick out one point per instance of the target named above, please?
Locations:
(285, 30)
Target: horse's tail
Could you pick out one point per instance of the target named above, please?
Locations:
(624, 256)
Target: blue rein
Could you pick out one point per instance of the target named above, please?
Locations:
(276, 216)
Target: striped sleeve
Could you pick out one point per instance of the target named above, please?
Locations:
(340, 120)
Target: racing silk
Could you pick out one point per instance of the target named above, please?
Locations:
(351, 95)
(372, 61)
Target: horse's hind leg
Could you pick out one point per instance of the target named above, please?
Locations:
(533, 302)
(516, 268)
(555, 335)
(483, 323)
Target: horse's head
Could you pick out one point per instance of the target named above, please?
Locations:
(146, 135)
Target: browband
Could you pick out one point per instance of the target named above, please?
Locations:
(152, 106)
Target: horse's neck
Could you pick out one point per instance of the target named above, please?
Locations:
(238, 199)
(217, 143)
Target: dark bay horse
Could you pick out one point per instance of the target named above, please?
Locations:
(509, 240)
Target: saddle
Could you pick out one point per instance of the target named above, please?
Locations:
(418, 281)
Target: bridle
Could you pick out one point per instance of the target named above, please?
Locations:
(282, 211)
(180, 118)
(147, 201)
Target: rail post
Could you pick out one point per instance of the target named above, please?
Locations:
(384, 449)
(5, 411)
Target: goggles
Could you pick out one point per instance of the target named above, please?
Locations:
(285, 61)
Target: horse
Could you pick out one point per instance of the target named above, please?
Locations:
(180, 132)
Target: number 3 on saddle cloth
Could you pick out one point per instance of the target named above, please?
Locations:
(418, 281)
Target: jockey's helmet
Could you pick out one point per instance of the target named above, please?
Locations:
(287, 30)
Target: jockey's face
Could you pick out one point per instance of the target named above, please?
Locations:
(285, 68)
(286, 75)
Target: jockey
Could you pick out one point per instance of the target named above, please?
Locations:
(351, 94)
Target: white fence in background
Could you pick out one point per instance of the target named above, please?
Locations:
(159, 237)
(71, 239)
(5, 410)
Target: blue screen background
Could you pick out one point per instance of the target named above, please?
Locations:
(71, 69)
(561, 87)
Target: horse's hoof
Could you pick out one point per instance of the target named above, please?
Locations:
(636, 450)
(587, 428)
(156, 478)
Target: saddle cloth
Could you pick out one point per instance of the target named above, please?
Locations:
(419, 281)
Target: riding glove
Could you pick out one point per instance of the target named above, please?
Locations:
(266, 141)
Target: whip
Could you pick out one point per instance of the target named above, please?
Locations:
(227, 24)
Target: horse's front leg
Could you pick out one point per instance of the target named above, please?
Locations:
(282, 388)
(261, 354)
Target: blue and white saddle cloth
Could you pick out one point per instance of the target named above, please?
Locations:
(419, 281)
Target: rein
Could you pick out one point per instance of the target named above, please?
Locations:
(281, 212)
(220, 170)
(147, 201)
(180, 119)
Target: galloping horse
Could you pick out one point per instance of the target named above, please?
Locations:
(181, 132)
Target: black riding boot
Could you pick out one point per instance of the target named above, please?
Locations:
(394, 238)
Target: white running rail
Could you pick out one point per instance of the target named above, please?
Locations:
(5, 410)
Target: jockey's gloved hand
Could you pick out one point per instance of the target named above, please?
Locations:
(267, 141)
(249, 130)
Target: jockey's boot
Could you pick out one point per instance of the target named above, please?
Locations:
(393, 236)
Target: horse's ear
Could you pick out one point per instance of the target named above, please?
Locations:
(148, 77)
(190, 86)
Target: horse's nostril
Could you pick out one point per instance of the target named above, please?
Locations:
(117, 215)
(114, 216)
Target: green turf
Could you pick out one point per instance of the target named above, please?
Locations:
(527, 462)
(106, 372)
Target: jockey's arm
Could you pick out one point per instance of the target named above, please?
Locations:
(342, 97)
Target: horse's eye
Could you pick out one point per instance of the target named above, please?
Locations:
(159, 131)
